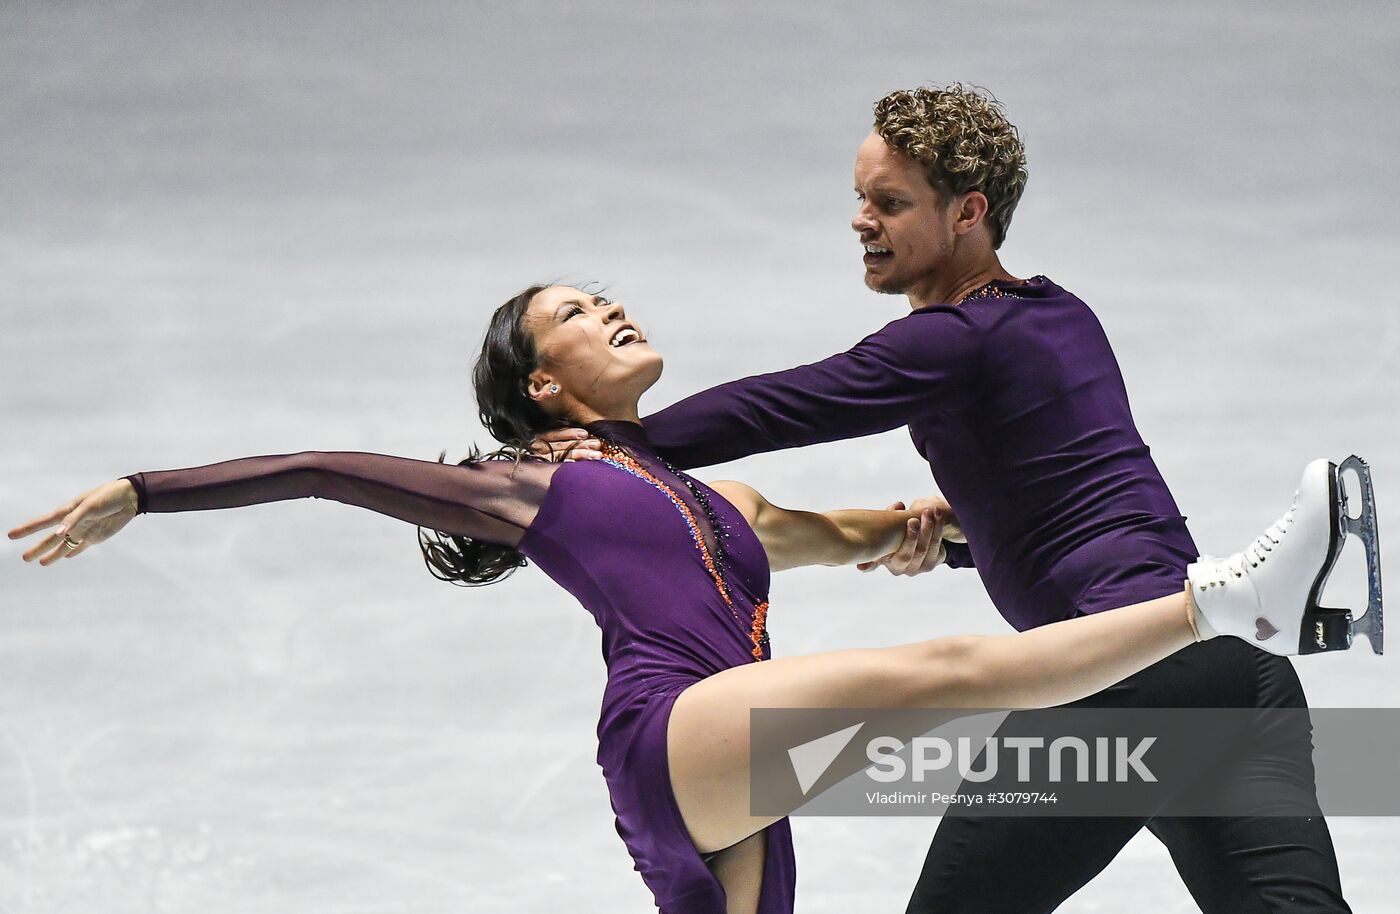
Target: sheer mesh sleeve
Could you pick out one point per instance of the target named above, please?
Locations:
(490, 500)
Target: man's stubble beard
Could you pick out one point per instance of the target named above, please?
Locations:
(886, 288)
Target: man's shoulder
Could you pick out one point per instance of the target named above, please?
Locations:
(932, 327)
(1044, 301)
(981, 321)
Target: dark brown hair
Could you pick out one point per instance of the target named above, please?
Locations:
(501, 378)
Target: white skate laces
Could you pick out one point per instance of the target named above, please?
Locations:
(1218, 572)
(1267, 592)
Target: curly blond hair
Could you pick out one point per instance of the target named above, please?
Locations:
(964, 142)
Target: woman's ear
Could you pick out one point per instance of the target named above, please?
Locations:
(542, 386)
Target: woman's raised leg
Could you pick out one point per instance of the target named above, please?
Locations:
(1265, 594)
(708, 732)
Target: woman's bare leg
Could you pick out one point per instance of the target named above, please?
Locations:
(708, 733)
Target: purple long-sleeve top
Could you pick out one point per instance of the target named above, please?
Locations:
(1017, 402)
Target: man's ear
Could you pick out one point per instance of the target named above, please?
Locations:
(971, 212)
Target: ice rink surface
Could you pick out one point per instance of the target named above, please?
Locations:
(237, 229)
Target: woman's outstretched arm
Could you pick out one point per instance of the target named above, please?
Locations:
(491, 500)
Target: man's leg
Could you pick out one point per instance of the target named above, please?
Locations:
(1230, 865)
(1270, 863)
(1029, 864)
(1016, 865)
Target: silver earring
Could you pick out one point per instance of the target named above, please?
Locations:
(554, 388)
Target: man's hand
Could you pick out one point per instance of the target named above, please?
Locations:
(922, 549)
(555, 445)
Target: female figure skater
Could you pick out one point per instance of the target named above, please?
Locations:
(676, 574)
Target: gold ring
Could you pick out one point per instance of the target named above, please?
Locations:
(69, 543)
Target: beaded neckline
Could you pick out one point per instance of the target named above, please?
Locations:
(620, 436)
(1001, 288)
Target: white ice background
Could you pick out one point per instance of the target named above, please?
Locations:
(236, 229)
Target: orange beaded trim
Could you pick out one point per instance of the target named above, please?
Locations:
(758, 633)
(758, 630)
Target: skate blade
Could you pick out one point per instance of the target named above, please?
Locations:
(1365, 526)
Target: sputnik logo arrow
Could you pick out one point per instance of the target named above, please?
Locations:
(811, 759)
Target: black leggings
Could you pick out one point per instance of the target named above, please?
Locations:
(1239, 865)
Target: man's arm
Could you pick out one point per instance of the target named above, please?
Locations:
(924, 361)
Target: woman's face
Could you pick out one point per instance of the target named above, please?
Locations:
(600, 360)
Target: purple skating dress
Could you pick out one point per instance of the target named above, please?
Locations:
(624, 549)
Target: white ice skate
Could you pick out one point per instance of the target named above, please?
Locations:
(1268, 593)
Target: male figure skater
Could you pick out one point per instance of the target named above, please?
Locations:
(1011, 391)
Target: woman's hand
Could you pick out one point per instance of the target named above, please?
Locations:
(554, 445)
(90, 518)
(922, 549)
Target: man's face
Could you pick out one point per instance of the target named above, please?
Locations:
(901, 218)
